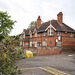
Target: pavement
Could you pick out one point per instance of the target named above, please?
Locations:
(62, 64)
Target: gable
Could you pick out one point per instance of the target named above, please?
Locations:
(50, 26)
(43, 26)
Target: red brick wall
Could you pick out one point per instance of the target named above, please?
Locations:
(66, 39)
(26, 46)
(68, 48)
(48, 50)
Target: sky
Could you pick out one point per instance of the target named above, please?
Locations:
(26, 11)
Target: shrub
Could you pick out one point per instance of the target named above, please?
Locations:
(20, 53)
(7, 57)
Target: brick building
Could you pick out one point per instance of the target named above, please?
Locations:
(49, 34)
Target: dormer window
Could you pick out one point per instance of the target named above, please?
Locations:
(50, 32)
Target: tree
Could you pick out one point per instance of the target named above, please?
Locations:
(31, 24)
(17, 37)
(6, 24)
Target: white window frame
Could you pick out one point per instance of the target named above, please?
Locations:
(58, 33)
(44, 43)
(35, 43)
(71, 34)
(30, 43)
(50, 31)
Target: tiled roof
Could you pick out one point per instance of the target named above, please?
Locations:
(56, 25)
(43, 26)
(27, 32)
(32, 29)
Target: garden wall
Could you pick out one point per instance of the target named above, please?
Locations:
(68, 48)
(48, 50)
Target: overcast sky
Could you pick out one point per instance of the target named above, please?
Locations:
(25, 11)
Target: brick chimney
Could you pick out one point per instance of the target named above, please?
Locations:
(38, 21)
(60, 17)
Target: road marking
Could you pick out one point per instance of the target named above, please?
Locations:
(30, 68)
(48, 69)
(54, 71)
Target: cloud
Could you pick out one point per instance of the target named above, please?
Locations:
(3, 5)
(25, 11)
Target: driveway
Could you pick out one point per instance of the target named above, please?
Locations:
(62, 64)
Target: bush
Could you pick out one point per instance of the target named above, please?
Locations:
(7, 57)
(20, 53)
(22, 56)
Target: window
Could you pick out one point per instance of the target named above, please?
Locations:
(50, 42)
(30, 44)
(44, 33)
(59, 43)
(26, 43)
(30, 35)
(35, 44)
(23, 35)
(50, 32)
(71, 35)
(35, 34)
(58, 33)
(44, 43)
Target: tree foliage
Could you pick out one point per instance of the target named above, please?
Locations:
(17, 40)
(6, 24)
(31, 24)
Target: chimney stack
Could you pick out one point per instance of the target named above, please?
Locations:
(38, 21)
(60, 17)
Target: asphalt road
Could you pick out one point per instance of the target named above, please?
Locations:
(63, 64)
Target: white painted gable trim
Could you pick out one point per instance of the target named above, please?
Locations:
(50, 26)
(29, 31)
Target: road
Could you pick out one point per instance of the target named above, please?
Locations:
(62, 64)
